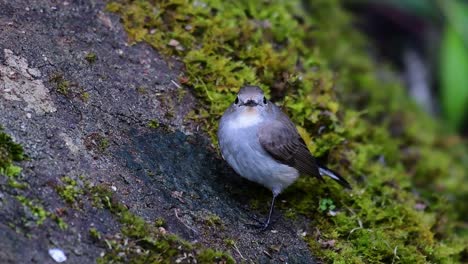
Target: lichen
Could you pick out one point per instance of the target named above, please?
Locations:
(312, 61)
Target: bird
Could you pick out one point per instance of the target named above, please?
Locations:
(261, 144)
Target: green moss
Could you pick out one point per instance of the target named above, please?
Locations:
(230, 242)
(153, 124)
(84, 96)
(15, 184)
(59, 221)
(37, 210)
(12, 152)
(62, 86)
(142, 90)
(97, 142)
(159, 222)
(213, 220)
(94, 234)
(211, 256)
(103, 144)
(403, 168)
(142, 242)
(9, 152)
(69, 191)
(91, 57)
(67, 88)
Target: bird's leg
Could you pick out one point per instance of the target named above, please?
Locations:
(267, 223)
(264, 225)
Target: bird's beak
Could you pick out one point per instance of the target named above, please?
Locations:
(250, 103)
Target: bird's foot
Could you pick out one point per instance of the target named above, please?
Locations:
(262, 226)
(256, 219)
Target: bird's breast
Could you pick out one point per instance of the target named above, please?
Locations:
(247, 118)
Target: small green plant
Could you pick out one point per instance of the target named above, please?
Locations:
(159, 222)
(9, 152)
(326, 204)
(143, 242)
(153, 124)
(91, 57)
(60, 222)
(94, 234)
(213, 220)
(69, 190)
(37, 210)
(62, 86)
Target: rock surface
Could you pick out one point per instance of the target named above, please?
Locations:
(79, 99)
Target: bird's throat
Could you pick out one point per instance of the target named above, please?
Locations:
(247, 118)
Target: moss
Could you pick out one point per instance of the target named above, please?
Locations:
(97, 142)
(12, 152)
(59, 221)
(15, 184)
(67, 88)
(153, 124)
(213, 220)
(159, 222)
(181, 93)
(35, 208)
(69, 191)
(230, 242)
(212, 256)
(402, 165)
(91, 57)
(103, 144)
(142, 90)
(142, 242)
(62, 86)
(84, 96)
(9, 152)
(94, 234)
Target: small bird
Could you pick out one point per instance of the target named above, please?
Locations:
(262, 144)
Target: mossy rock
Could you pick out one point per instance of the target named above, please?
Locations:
(312, 61)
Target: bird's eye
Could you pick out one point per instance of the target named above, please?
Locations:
(264, 100)
(237, 100)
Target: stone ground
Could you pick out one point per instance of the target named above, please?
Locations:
(78, 98)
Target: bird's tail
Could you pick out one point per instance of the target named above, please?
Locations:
(324, 171)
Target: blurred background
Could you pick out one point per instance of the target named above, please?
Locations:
(427, 42)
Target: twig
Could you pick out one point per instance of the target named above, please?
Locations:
(238, 251)
(187, 226)
(176, 84)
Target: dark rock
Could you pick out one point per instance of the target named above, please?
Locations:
(78, 117)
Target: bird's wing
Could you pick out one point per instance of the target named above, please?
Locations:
(280, 139)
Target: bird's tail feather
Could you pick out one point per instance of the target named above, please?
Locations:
(324, 171)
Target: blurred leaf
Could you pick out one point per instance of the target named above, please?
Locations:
(456, 13)
(454, 76)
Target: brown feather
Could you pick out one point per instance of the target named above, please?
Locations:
(282, 141)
